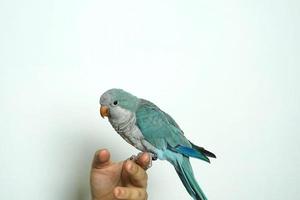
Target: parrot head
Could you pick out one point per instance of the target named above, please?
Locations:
(116, 102)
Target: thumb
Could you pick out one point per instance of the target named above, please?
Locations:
(101, 159)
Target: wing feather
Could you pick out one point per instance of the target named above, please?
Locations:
(159, 128)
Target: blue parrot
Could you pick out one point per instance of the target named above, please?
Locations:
(143, 125)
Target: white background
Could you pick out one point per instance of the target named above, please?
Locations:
(227, 71)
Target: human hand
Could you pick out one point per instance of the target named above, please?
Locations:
(122, 180)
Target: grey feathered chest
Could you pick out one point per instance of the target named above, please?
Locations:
(125, 126)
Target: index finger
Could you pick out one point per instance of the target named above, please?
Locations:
(144, 160)
(137, 175)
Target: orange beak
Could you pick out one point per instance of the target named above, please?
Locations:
(104, 111)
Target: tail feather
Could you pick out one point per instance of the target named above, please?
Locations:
(190, 152)
(186, 175)
(204, 151)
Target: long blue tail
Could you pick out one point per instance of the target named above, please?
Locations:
(185, 172)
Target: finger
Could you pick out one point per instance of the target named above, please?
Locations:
(137, 175)
(101, 159)
(130, 193)
(144, 160)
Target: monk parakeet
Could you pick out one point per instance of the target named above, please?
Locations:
(149, 129)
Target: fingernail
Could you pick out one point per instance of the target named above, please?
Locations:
(129, 166)
(120, 193)
(117, 192)
(100, 155)
(146, 158)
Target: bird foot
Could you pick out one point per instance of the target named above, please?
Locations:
(153, 157)
(136, 157)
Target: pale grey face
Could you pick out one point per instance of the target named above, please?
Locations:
(110, 108)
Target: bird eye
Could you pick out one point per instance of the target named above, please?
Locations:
(115, 102)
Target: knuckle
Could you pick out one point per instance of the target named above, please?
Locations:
(142, 195)
(139, 194)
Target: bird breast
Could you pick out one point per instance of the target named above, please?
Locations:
(124, 120)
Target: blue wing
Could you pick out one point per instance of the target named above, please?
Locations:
(161, 130)
(158, 128)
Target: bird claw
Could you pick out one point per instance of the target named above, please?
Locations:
(135, 157)
(153, 157)
(150, 164)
